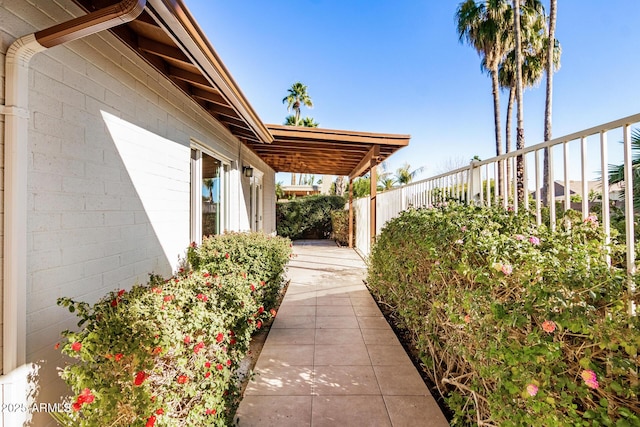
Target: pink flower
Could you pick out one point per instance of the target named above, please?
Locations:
(187, 339)
(219, 337)
(548, 326)
(534, 240)
(519, 237)
(467, 319)
(463, 228)
(590, 378)
(183, 379)
(591, 219)
(532, 389)
(507, 269)
(202, 297)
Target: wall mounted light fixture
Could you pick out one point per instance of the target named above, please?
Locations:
(247, 171)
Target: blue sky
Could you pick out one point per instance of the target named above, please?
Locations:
(398, 67)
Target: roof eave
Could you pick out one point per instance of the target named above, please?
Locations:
(187, 34)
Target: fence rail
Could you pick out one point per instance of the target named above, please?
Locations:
(480, 183)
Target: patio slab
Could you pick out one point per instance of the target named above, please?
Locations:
(330, 358)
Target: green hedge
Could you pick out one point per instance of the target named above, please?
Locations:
(340, 226)
(307, 217)
(516, 325)
(167, 352)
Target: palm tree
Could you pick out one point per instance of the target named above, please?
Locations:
(533, 56)
(616, 172)
(551, 45)
(485, 26)
(208, 183)
(297, 97)
(519, 98)
(404, 176)
(308, 122)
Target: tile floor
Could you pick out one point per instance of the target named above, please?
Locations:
(330, 358)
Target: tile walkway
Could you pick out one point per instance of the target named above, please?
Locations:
(330, 358)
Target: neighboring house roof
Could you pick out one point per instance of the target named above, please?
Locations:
(168, 38)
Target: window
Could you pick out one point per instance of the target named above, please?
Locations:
(209, 194)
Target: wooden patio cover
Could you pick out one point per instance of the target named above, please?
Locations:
(326, 151)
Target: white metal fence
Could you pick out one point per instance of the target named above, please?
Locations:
(477, 183)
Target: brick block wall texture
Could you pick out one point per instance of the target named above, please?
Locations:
(109, 175)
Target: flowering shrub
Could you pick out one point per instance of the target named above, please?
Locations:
(257, 257)
(164, 353)
(516, 325)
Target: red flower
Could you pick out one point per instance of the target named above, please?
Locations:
(86, 396)
(273, 312)
(76, 346)
(156, 290)
(157, 350)
(219, 367)
(261, 310)
(262, 283)
(193, 245)
(206, 274)
(168, 298)
(207, 364)
(232, 334)
(182, 379)
(140, 377)
(207, 375)
(233, 341)
(211, 411)
(160, 411)
(226, 256)
(187, 339)
(259, 324)
(220, 337)
(229, 362)
(202, 297)
(253, 287)
(119, 357)
(198, 347)
(57, 346)
(114, 302)
(121, 292)
(151, 421)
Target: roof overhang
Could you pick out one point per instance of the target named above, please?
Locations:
(167, 37)
(327, 151)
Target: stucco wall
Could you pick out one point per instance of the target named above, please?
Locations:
(109, 174)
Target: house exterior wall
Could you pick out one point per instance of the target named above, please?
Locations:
(109, 174)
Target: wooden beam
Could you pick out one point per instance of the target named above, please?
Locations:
(372, 202)
(188, 76)
(366, 162)
(350, 213)
(162, 50)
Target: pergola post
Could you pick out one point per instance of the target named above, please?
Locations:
(350, 212)
(375, 152)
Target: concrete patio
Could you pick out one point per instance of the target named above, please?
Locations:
(330, 358)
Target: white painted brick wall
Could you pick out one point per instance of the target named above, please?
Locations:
(109, 193)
